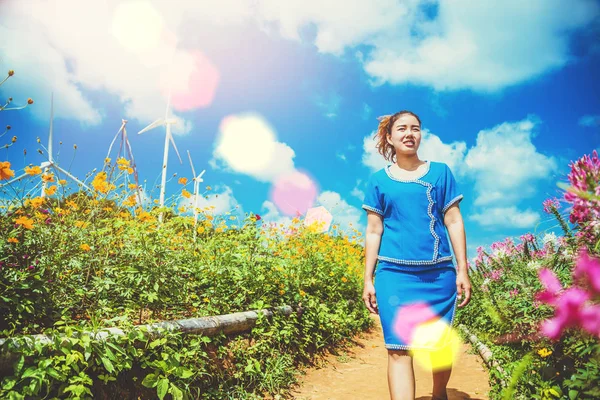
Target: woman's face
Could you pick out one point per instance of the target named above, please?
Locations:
(405, 135)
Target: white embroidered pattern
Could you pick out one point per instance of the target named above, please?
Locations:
(448, 336)
(378, 211)
(387, 170)
(451, 202)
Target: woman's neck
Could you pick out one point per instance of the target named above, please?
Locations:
(408, 163)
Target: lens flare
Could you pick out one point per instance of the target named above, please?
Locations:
(294, 193)
(192, 79)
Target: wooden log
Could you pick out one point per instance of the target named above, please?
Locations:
(485, 353)
(208, 326)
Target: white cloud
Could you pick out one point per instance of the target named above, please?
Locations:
(71, 46)
(329, 105)
(506, 165)
(432, 148)
(589, 120)
(462, 47)
(506, 217)
(344, 215)
(247, 144)
(220, 197)
(341, 156)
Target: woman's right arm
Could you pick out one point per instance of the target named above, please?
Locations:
(372, 243)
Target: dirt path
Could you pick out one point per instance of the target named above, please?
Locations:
(361, 374)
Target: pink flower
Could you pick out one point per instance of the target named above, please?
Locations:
(552, 287)
(496, 274)
(584, 176)
(550, 205)
(514, 292)
(568, 312)
(528, 237)
(588, 269)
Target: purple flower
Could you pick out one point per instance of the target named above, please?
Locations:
(48, 220)
(44, 211)
(30, 267)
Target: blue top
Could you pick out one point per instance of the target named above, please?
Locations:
(413, 214)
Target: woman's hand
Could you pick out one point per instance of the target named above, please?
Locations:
(369, 297)
(463, 285)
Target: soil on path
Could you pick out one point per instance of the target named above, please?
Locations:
(361, 373)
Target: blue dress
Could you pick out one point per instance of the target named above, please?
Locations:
(415, 278)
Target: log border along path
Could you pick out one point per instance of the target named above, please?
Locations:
(360, 372)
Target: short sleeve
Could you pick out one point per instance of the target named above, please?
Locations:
(451, 192)
(373, 200)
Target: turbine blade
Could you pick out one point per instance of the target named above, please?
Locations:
(153, 125)
(191, 164)
(14, 180)
(199, 177)
(113, 141)
(175, 147)
(72, 177)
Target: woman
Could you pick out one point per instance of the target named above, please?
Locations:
(410, 205)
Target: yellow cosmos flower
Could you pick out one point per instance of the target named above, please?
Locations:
(107, 160)
(13, 240)
(302, 293)
(5, 171)
(35, 170)
(130, 170)
(232, 218)
(145, 216)
(344, 279)
(81, 224)
(544, 352)
(201, 229)
(51, 190)
(72, 204)
(130, 202)
(36, 202)
(62, 181)
(25, 222)
(186, 194)
(182, 181)
(85, 247)
(48, 178)
(208, 188)
(132, 186)
(281, 291)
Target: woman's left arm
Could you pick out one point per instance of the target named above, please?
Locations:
(456, 230)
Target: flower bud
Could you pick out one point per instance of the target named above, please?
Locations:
(29, 101)
(8, 127)
(11, 72)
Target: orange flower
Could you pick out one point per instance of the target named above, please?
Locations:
(85, 247)
(13, 240)
(144, 216)
(25, 222)
(81, 224)
(51, 190)
(72, 205)
(123, 163)
(62, 181)
(130, 170)
(36, 202)
(35, 170)
(182, 181)
(130, 202)
(132, 186)
(48, 178)
(186, 194)
(5, 171)
(107, 160)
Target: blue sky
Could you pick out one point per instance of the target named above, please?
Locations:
(506, 91)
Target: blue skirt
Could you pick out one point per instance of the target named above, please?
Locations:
(416, 304)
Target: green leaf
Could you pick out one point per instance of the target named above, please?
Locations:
(176, 392)
(9, 383)
(107, 364)
(29, 372)
(573, 394)
(184, 373)
(162, 387)
(150, 381)
(19, 364)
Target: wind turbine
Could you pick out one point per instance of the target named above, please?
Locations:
(167, 122)
(197, 180)
(46, 165)
(125, 143)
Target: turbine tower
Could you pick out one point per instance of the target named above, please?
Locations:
(125, 143)
(46, 165)
(197, 180)
(167, 122)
